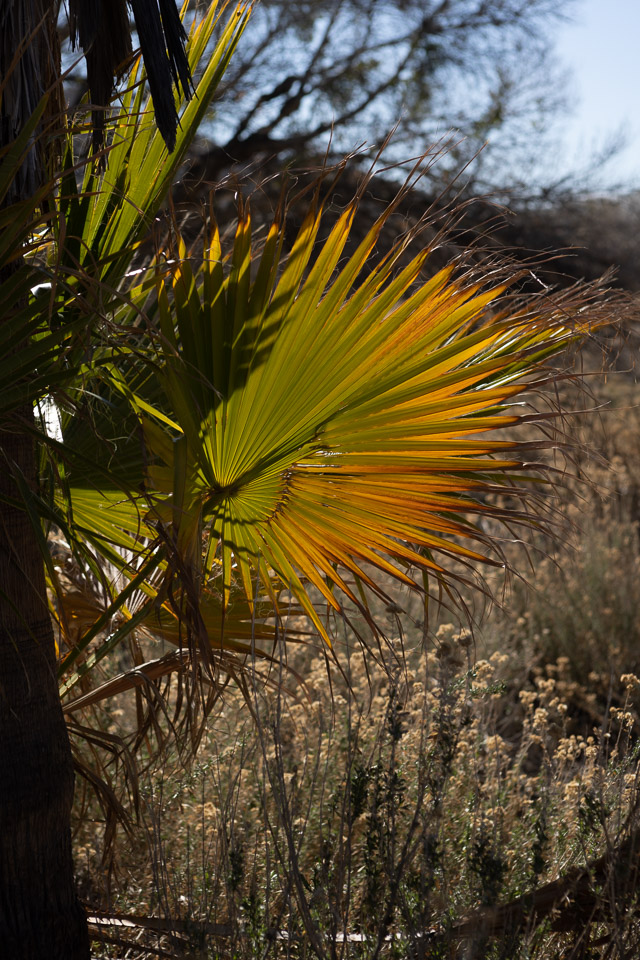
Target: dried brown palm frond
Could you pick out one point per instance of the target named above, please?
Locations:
(102, 29)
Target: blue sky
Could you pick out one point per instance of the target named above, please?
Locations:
(601, 48)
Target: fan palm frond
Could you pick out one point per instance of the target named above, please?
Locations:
(308, 425)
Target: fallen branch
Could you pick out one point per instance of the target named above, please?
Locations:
(577, 898)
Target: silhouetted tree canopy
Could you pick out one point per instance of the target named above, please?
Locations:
(350, 70)
(345, 72)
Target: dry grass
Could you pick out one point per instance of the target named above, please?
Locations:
(442, 803)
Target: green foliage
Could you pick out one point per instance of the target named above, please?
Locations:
(79, 239)
(256, 442)
(250, 432)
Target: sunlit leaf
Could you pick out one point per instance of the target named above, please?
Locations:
(321, 426)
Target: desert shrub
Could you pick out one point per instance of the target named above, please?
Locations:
(386, 808)
(581, 596)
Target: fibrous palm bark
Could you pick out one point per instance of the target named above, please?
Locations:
(40, 915)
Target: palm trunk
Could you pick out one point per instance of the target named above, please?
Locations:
(40, 915)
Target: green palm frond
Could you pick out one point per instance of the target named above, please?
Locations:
(284, 428)
(73, 243)
(102, 222)
(78, 241)
(314, 424)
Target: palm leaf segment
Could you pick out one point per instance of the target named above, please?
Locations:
(311, 427)
(92, 233)
(58, 307)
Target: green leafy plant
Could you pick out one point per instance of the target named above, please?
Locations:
(251, 432)
(80, 231)
(297, 428)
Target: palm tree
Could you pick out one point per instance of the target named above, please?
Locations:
(40, 915)
(288, 431)
(301, 425)
(259, 425)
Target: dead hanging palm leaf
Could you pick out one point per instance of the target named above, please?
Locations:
(29, 84)
(101, 28)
